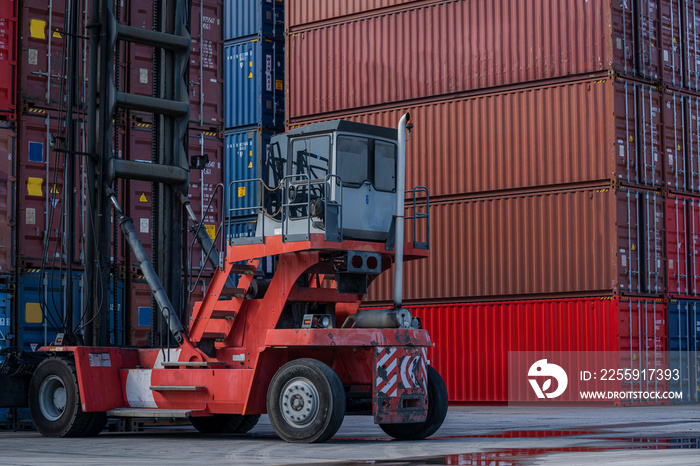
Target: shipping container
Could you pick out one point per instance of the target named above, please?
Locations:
(692, 142)
(138, 69)
(684, 347)
(207, 63)
(682, 245)
(8, 59)
(262, 18)
(246, 152)
(139, 313)
(40, 192)
(117, 288)
(401, 55)
(254, 84)
(588, 241)
(206, 191)
(691, 44)
(472, 341)
(41, 306)
(568, 133)
(303, 12)
(7, 198)
(42, 75)
(676, 155)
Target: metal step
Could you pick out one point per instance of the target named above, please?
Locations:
(177, 388)
(150, 413)
(233, 292)
(223, 314)
(194, 364)
(243, 269)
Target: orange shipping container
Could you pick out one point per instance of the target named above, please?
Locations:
(581, 242)
(448, 47)
(572, 132)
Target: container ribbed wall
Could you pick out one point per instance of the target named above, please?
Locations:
(243, 18)
(448, 47)
(571, 132)
(472, 341)
(593, 241)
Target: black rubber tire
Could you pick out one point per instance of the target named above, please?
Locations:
(437, 410)
(330, 401)
(217, 424)
(64, 418)
(249, 421)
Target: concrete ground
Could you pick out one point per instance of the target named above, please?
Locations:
(470, 436)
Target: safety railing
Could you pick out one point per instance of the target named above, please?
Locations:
(420, 216)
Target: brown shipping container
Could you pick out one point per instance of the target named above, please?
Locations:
(207, 63)
(303, 12)
(576, 242)
(691, 122)
(456, 46)
(580, 131)
(691, 45)
(7, 197)
(40, 190)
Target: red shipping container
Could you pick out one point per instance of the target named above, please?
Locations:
(449, 47)
(40, 190)
(303, 12)
(7, 198)
(580, 242)
(692, 139)
(8, 58)
(683, 245)
(572, 132)
(205, 198)
(41, 67)
(691, 45)
(207, 63)
(472, 341)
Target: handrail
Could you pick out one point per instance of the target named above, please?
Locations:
(420, 215)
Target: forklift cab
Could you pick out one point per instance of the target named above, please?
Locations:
(337, 178)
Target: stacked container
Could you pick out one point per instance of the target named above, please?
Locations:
(254, 101)
(559, 142)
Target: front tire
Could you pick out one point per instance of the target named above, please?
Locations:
(54, 402)
(306, 401)
(437, 410)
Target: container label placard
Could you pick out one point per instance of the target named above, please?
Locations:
(601, 378)
(100, 360)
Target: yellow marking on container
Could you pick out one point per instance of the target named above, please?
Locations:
(211, 231)
(33, 314)
(34, 186)
(143, 198)
(250, 153)
(37, 29)
(250, 165)
(54, 190)
(279, 84)
(241, 191)
(56, 34)
(250, 76)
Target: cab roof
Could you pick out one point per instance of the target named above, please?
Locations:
(344, 126)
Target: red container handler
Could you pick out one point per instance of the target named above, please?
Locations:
(448, 47)
(574, 131)
(472, 341)
(682, 245)
(8, 138)
(8, 59)
(39, 191)
(587, 241)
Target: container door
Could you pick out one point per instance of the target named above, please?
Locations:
(674, 141)
(692, 131)
(671, 37)
(649, 139)
(676, 246)
(691, 44)
(652, 222)
(693, 223)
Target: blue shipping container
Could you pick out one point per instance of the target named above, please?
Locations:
(245, 18)
(35, 328)
(684, 347)
(254, 84)
(244, 155)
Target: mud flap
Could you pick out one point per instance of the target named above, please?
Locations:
(399, 392)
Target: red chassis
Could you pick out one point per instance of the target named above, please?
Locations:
(245, 348)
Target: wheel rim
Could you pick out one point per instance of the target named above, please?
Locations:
(299, 402)
(52, 398)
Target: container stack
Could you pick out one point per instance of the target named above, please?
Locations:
(558, 139)
(254, 102)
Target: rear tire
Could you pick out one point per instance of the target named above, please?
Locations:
(54, 402)
(437, 410)
(306, 401)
